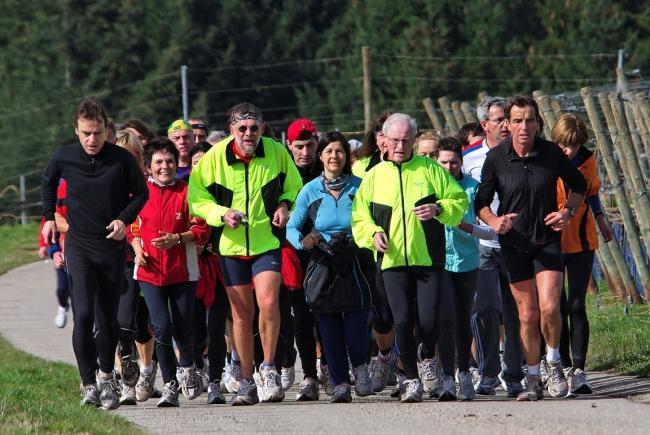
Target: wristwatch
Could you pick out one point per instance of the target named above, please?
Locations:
(572, 211)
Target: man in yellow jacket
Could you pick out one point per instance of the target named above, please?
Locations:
(244, 187)
(399, 212)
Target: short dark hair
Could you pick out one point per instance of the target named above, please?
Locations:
(473, 128)
(141, 127)
(521, 101)
(159, 144)
(89, 108)
(450, 143)
(335, 136)
(201, 147)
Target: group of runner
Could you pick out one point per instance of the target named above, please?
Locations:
(433, 265)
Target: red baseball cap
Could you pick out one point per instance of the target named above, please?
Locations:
(301, 129)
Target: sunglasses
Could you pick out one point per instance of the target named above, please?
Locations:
(252, 128)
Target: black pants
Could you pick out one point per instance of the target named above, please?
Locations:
(298, 326)
(462, 288)
(211, 333)
(382, 317)
(96, 272)
(128, 311)
(172, 310)
(575, 325)
(62, 287)
(413, 294)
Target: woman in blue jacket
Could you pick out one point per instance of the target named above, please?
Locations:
(336, 282)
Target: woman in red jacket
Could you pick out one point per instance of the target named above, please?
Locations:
(166, 266)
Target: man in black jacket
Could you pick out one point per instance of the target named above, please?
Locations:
(105, 192)
(523, 170)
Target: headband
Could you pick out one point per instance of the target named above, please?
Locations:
(178, 125)
(256, 116)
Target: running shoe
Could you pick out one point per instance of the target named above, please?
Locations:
(476, 376)
(465, 387)
(511, 388)
(215, 395)
(486, 385)
(363, 384)
(169, 397)
(246, 395)
(190, 382)
(428, 369)
(544, 370)
(203, 374)
(308, 391)
(326, 381)
(232, 384)
(287, 377)
(398, 390)
(61, 317)
(89, 395)
(381, 371)
(225, 376)
(130, 371)
(578, 382)
(269, 384)
(128, 396)
(342, 394)
(412, 391)
(447, 392)
(109, 388)
(534, 390)
(556, 385)
(145, 386)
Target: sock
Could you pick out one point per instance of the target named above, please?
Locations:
(502, 347)
(533, 370)
(235, 356)
(265, 364)
(228, 357)
(385, 355)
(146, 370)
(552, 354)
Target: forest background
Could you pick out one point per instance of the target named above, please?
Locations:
(291, 58)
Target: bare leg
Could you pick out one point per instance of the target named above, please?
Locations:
(549, 286)
(526, 299)
(267, 292)
(242, 307)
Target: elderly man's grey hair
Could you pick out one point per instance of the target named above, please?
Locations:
(484, 106)
(400, 117)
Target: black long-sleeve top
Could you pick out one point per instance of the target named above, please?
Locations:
(526, 186)
(100, 188)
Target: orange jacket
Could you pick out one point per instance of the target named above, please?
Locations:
(580, 233)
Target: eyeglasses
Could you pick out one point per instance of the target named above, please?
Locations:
(399, 141)
(253, 128)
(499, 121)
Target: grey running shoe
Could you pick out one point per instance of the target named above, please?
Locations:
(326, 381)
(486, 385)
(428, 369)
(381, 372)
(169, 398)
(232, 383)
(475, 375)
(342, 394)
(89, 395)
(145, 386)
(534, 391)
(511, 388)
(412, 391)
(398, 390)
(465, 387)
(109, 389)
(556, 385)
(269, 386)
(578, 382)
(308, 391)
(363, 384)
(215, 395)
(128, 396)
(544, 370)
(190, 382)
(203, 374)
(130, 371)
(246, 395)
(287, 377)
(224, 379)
(448, 391)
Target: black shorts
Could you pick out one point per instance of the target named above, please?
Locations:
(524, 265)
(240, 271)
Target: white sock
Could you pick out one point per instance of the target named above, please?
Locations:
(146, 370)
(533, 370)
(552, 354)
(235, 356)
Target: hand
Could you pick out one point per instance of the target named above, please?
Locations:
(49, 232)
(117, 230)
(426, 212)
(233, 218)
(141, 258)
(310, 240)
(58, 259)
(381, 242)
(557, 220)
(166, 241)
(42, 252)
(281, 215)
(605, 230)
(503, 224)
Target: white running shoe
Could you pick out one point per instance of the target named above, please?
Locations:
(428, 369)
(61, 317)
(169, 397)
(381, 372)
(145, 385)
(362, 384)
(308, 391)
(190, 382)
(269, 388)
(578, 382)
(412, 391)
(556, 384)
(128, 396)
(232, 384)
(109, 389)
(246, 395)
(287, 377)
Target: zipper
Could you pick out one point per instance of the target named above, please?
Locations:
(401, 192)
(247, 199)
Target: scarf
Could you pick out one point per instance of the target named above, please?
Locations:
(335, 184)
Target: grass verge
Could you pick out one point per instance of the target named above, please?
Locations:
(38, 396)
(617, 341)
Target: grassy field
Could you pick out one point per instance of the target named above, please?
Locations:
(37, 396)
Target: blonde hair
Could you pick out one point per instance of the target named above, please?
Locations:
(570, 131)
(132, 144)
(425, 135)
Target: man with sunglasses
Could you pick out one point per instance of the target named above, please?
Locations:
(493, 298)
(199, 129)
(244, 187)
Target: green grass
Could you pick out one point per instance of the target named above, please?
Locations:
(38, 396)
(617, 341)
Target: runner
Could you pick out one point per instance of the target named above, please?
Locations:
(181, 133)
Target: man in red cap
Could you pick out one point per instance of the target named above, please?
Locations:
(302, 139)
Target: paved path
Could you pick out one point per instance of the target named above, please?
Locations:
(619, 405)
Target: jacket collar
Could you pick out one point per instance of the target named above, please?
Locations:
(512, 155)
(231, 157)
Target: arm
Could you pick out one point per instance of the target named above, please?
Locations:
(364, 227)
(139, 192)
(297, 220)
(49, 183)
(200, 200)
(61, 223)
(453, 200)
(291, 186)
(572, 176)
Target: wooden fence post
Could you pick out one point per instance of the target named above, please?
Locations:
(433, 115)
(470, 115)
(642, 127)
(610, 271)
(446, 112)
(458, 115)
(545, 112)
